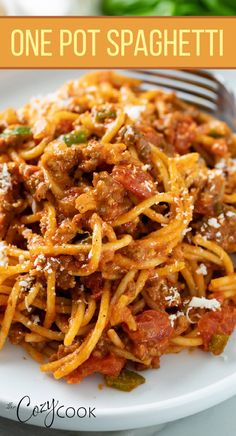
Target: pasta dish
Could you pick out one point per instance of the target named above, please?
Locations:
(117, 225)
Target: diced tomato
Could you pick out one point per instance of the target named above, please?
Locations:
(134, 180)
(150, 135)
(108, 365)
(219, 322)
(153, 332)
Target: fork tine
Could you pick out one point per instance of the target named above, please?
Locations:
(197, 87)
(222, 90)
(178, 85)
(200, 73)
(205, 85)
(224, 94)
(229, 97)
(186, 91)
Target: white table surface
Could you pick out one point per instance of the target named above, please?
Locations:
(217, 421)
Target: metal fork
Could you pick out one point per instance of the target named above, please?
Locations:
(199, 87)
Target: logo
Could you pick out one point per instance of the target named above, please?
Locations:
(49, 410)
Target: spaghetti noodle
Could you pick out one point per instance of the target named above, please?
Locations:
(117, 221)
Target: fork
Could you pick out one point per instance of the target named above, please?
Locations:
(201, 88)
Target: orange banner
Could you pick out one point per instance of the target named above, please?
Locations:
(117, 42)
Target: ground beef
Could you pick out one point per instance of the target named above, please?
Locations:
(64, 280)
(59, 160)
(10, 196)
(163, 293)
(65, 232)
(179, 131)
(34, 181)
(221, 229)
(111, 198)
(95, 283)
(96, 154)
(210, 198)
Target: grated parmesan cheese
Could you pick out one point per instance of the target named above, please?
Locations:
(23, 284)
(82, 287)
(38, 262)
(26, 283)
(35, 319)
(3, 255)
(5, 179)
(34, 206)
(146, 167)
(173, 317)
(213, 223)
(185, 231)
(174, 297)
(221, 164)
(230, 213)
(204, 303)
(134, 111)
(148, 185)
(202, 269)
(48, 268)
(188, 316)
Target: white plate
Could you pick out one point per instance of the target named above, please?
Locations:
(185, 384)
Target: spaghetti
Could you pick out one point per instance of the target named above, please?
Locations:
(117, 221)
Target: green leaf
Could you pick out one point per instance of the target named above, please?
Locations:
(126, 381)
(169, 7)
(218, 7)
(190, 8)
(127, 7)
(163, 8)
